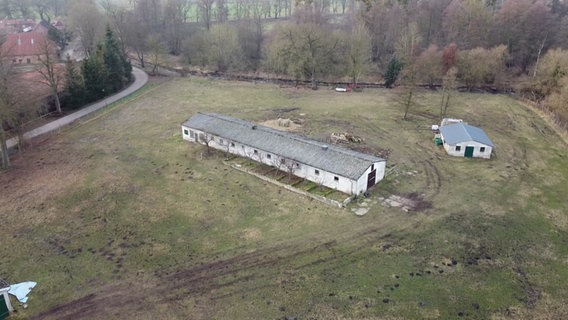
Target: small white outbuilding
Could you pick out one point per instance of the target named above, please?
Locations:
(338, 168)
(463, 140)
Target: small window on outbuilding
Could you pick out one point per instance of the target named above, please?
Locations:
(255, 152)
(458, 148)
(482, 149)
(221, 141)
(232, 144)
(185, 132)
(336, 178)
(317, 172)
(297, 165)
(268, 156)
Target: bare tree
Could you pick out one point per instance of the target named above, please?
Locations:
(223, 47)
(15, 110)
(118, 17)
(359, 53)
(448, 85)
(277, 163)
(206, 139)
(23, 6)
(6, 113)
(304, 50)
(50, 71)
(88, 23)
(175, 27)
(135, 35)
(407, 47)
(156, 46)
(227, 145)
(206, 9)
(290, 166)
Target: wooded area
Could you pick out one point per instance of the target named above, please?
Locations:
(511, 45)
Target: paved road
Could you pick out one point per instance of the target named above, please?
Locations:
(140, 79)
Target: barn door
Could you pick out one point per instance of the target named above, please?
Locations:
(371, 178)
(469, 152)
(4, 312)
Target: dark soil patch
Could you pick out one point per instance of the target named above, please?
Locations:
(532, 293)
(418, 201)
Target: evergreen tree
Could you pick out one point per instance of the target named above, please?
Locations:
(114, 62)
(95, 76)
(393, 70)
(74, 86)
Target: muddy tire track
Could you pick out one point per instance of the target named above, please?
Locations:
(127, 298)
(433, 178)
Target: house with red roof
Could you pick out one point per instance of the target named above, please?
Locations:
(26, 48)
(8, 26)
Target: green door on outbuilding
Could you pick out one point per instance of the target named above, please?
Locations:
(4, 313)
(469, 152)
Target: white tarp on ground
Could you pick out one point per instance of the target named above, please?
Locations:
(21, 290)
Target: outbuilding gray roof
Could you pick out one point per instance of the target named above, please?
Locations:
(461, 132)
(341, 161)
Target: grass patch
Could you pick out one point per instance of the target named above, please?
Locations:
(121, 213)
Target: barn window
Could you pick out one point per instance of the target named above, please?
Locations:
(185, 132)
(317, 172)
(336, 178)
(297, 165)
(458, 148)
(232, 144)
(482, 149)
(255, 152)
(268, 156)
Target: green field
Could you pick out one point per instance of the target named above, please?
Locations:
(116, 217)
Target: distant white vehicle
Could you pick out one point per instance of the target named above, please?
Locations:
(341, 89)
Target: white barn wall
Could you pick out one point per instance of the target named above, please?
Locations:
(305, 171)
(361, 185)
(451, 149)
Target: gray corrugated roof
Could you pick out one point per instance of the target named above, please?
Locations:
(461, 132)
(341, 161)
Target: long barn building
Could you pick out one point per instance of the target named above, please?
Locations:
(338, 168)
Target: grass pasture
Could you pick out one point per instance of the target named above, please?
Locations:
(117, 218)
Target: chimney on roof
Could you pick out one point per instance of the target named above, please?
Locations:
(325, 147)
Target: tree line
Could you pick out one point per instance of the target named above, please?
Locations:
(496, 44)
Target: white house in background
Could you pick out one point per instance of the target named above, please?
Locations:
(464, 140)
(338, 168)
